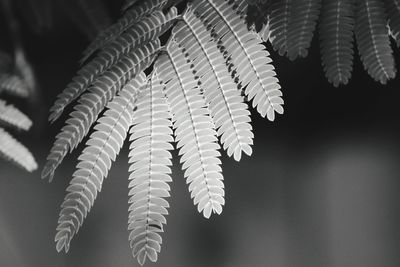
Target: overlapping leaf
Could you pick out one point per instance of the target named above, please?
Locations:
(229, 112)
(93, 102)
(194, 131)
(249, 57)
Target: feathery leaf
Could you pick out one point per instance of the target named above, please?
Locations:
(149, 28)
(304, 16)
(9, 115)
(250, 58)
(194, 131)
(133, 15)
(93, 102)
(228, 110)
(95, 162)
(373, 41)
(150, 159)
(336, 33)
(11, 149)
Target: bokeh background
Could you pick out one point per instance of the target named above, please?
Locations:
(321, 188)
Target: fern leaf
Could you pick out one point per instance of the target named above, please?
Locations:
(250, 58)
(11, 149)
(9, 115)
(336, 33)
(194, 131)
(393, 11)
(373, 41)
(150, 159)
(132, 16)
(302, 24)
(13, 85)
(280, 17)
(95, 162)
(147, 29)
(93, 102)
(228, 110)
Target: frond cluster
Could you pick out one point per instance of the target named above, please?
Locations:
(13, 84)
(163, 76)
(341, 23)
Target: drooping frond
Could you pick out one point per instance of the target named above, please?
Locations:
(14, 85)
(280, 16)
(229, 112)
(150, 159)
(101, 149)
(9, 115)
(194, 131)
(336, 34)
(373, 41)
(93, 102)
(393, 11)
(250, 58)
(133, 15)
(11, 149)
(147, 29)
(304, 16)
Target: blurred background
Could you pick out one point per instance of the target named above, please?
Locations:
(321, 188)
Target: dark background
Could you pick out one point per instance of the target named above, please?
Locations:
(321, 188)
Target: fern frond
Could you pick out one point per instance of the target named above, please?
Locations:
(304, 16)
(95, 162)
(133, 15)
(373, 41)
(150, 159)
(14, 85)
(393, 11)
(11, 149)
(9, 115)
(194, 131)
(281, 11)
(229, 112)
(93, 102)
(149, 28)
(336, 34)
(250, 58)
